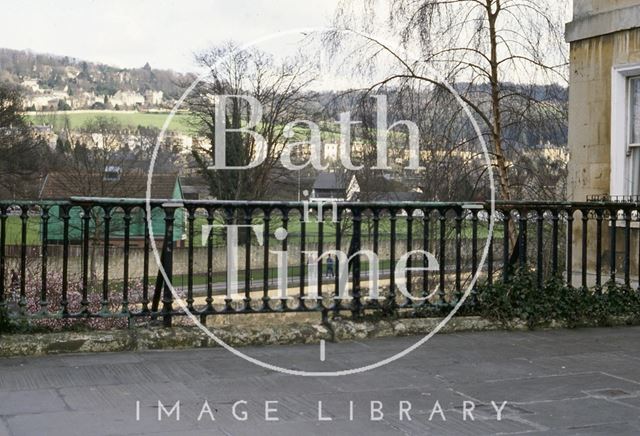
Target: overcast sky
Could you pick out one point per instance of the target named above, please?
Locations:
(164, 33)
(167, 33)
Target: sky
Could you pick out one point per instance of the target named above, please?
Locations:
(165, 33)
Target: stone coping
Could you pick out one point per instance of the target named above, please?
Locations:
(602, 23)
(238, 334)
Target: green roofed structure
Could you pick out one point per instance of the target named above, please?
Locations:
(111, 183)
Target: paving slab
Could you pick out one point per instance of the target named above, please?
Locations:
(556, 382)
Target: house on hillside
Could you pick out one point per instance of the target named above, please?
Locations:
(153, 98)
(195, 187)
(112, 183)
(126, 99)
(383, 189)
(329, 186)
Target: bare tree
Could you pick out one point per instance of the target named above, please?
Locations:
(280, 87)
(502, 57)
(21, 149)
(485, 48)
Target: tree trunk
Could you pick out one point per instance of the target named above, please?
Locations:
(496, 131)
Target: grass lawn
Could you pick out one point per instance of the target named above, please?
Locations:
(258, 274)
(179, 123)
(14, 231)
(294, 227)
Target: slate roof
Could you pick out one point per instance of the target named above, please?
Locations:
(329, 181)
(57, 186)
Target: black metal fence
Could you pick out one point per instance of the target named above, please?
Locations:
(73, 259)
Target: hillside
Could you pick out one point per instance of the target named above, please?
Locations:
(86, 83)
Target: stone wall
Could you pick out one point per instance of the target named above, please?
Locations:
(264, 329)
(259, 330)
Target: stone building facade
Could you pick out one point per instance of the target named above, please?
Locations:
(604, 118)
(604, 39)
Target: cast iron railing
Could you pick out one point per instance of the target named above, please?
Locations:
(92, 257)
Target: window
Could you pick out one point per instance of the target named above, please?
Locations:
(625, 131)
(112, 173)
(633, 134)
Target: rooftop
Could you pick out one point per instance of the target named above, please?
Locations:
(132, 185)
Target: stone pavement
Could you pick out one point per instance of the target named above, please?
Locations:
(584, 381)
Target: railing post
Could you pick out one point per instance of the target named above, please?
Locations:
(426, 246)
(356, 308)
(320, 226)
(613, 215)
(442, 252)
(24, 216)
(583, 253)
(167, 297)
(408, 274)
(3, 237)
(627, 247)
(86, 219)
(145, 264)
(127, 248)
(522, 239)
(376, 241)
(64, 214)
(337, 304)
(490, 263)
(190, 235)
(228, 308)
(44, 216)
(555, 218)
(392, 259)
(209, 300)
(285, 248)
(599, 218)
(539, 250)
(458, 253)
(490, 268)
(569, 256)
(104, 309)
(506, 219)
(248, 214)
(474, 254)
(265, 261)
(303, 230)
